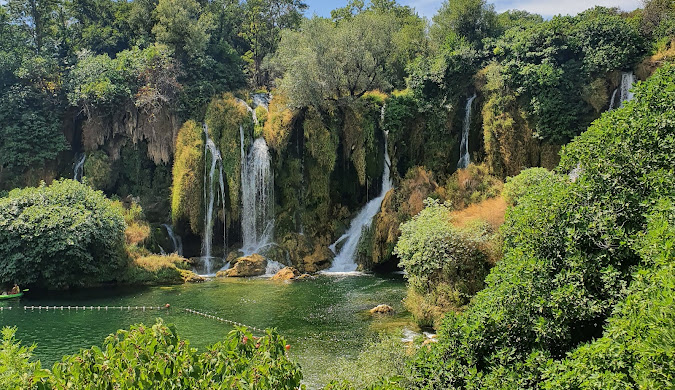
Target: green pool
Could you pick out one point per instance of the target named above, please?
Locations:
(323, 319)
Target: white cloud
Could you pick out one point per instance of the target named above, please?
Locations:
(543, 7)
(566, 7)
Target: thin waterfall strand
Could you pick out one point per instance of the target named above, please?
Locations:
(465, 158)
(78, 169)
(210, 196)
(175, 239)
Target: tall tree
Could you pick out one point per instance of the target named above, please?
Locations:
(263, 22)
(472, 20)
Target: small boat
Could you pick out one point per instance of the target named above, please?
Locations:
(10, 296)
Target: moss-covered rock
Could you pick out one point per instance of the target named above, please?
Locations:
(188, 173)
(253, 265)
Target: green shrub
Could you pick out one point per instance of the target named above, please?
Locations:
(61, 235)
(518, 186)
(16, 369)
(157, 358)
(439, 258)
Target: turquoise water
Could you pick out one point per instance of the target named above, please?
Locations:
(322, 319)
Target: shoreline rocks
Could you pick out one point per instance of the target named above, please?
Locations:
(382, 309)
(253, 265)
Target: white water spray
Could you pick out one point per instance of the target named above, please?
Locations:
(465, 158)
(210, 196)
(344, 260)
(78, 168)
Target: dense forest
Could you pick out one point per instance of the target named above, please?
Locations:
(525, 169)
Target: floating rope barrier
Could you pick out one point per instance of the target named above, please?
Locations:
(206, 315)
(128, 308)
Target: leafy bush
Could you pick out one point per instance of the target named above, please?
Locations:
(157, 358)
(16, 369)
(471, 185)
(518, 186)
(439, 258)
(61, 235)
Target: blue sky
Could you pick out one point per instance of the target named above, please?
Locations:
(543, 7)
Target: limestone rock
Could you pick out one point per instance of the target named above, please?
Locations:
(191, 277)
(253, 265)
(287, 273)
(382, 309)
(305, 277)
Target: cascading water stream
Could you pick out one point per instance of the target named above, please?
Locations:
(210, 195)
(175, 239)
(257, 185)
(344, 260)
(78, 168)
(465, 158)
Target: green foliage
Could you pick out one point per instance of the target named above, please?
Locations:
(433, 253)
(637, 347)
(549, 63)
(472, 20)
(156, 357)
(58, 236)
(359, 49)
(384, 357)
(571, 249)
(145, 77)
(157, 270)
(518, 186)
(98, 170)
(188, 174)
(16, 369)
(183, 25)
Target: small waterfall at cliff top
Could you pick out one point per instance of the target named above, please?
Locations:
(623, 91)
(210, 193)
(175, 239)
(78, 168)
(627, 81)
(257, 188)
(344, 260)
(465, 158)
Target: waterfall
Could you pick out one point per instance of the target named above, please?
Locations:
(627, 81)
(611, 101)
(210, 196)
(257, 187)
(465, 158)
(78, 168)
(344, 259)
(175, 239)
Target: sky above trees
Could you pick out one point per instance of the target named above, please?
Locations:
(546, 8)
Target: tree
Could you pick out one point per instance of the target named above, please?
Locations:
(325, 62)
(264, 20)
(472, 20)
(61, 235)
(184, 26)
(36, 17)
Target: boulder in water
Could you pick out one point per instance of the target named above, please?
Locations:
(287, 273)
(382, 309)
(253, 265)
